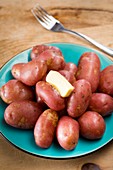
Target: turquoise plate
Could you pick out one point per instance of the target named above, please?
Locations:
(24, 139)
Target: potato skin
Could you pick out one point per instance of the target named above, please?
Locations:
(89, 69)
(78, 101)
(67, 132)
(38, 49)
(31, 72)
(45, 127)
(16, 70)
(22, 114)
(101, 103)
(68, 75)
(106, 80)
(14, 90)
(53, 59)
(71, 67)
(50, 96)
(92, 125)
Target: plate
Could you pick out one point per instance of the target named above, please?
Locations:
(24, 139)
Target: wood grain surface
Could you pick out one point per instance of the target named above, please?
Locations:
(19, 30)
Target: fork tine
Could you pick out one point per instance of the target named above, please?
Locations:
(43, 17)
(39, 16)
(50, 17)
(43, 14)
(36, 15)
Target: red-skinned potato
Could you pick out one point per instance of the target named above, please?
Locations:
(71, 67)
(38, 49)
(89, 69)
(45, 127)
(68, 75)
(16, 70)
(31, 72)
(67, 132)
(14, 90)
(50, 96)
(92, 125)
(106, 80)
(78, 101)
(22, 114)
(101, 103)
(53, 59)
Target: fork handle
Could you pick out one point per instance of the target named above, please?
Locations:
(100, 46)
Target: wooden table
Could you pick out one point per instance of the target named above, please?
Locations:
(19, 30)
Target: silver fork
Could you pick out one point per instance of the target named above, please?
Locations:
(50, 23)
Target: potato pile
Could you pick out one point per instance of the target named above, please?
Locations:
(33, 103)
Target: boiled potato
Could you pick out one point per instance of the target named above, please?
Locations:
(38, 49)
(50, 96)
(16, 70)
(22, 114)
(53, 59)
(31, 72)
(78, 101)
(89, 69)
(101, 103)
(67, 132)
(15, 90)
(106, 80)
(71, 67)
(45, 127)
(92, 125)
(68, 75)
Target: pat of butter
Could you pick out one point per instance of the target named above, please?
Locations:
(60, 83)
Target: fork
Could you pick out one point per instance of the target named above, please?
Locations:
(50, 23)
